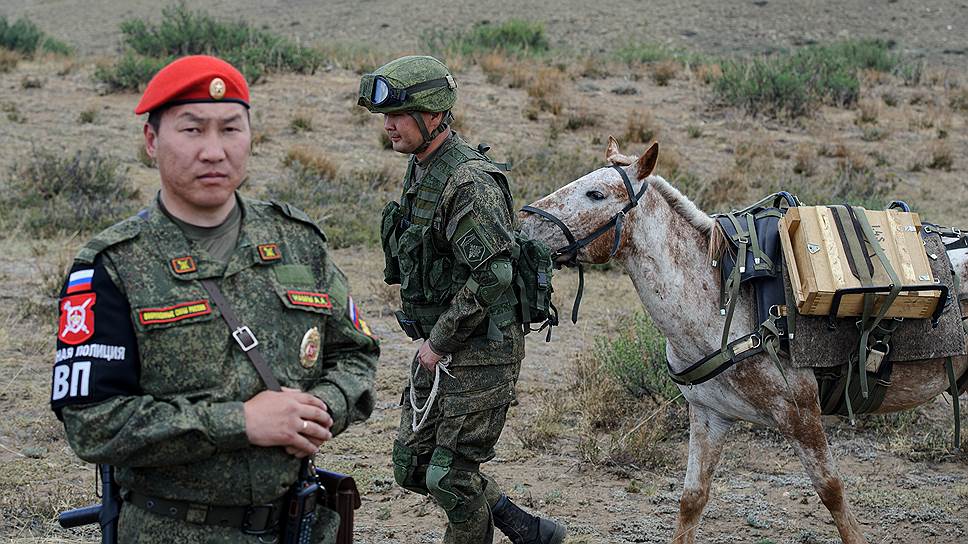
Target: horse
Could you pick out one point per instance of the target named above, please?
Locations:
(662, 239)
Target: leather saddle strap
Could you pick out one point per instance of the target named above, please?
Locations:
(239, 333)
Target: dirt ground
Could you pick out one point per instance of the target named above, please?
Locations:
(761, 493)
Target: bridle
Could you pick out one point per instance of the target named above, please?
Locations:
(574, 246)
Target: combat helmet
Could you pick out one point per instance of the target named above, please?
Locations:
(409, 85)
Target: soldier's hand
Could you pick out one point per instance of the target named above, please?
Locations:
(427, 357)
(295, 420)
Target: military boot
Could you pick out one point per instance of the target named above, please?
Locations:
(524, 528)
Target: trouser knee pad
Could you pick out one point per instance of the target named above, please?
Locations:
(456, 484)
(408, 471)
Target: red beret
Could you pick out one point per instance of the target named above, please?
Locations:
(196, 78)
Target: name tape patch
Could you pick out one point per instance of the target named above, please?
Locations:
(184, 310)
(306, 298)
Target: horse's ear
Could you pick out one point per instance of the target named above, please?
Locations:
(612, 149)
(614, 156)
(646, 163)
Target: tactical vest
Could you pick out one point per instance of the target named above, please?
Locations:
(417, 253)
(277, 283)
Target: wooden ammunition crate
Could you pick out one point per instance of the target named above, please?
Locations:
(818, 266)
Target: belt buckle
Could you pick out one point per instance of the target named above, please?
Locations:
(244, 338)
(259, 520)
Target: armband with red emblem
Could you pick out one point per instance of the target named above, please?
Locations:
(97, 352)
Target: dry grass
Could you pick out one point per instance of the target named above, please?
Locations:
(311, 161)
(942, 156)
(544, 90)
(707, 73)
(641, 127)
(665, 71)
(805, 160)
(8, 60)
(959, 100)
(301, 122)
(494, 66)
(87, 116)
(868, 112)
(581, 117)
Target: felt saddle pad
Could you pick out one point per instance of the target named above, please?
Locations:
(815, 345)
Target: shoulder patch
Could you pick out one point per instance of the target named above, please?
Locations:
(474, 248)
(296, 214)
(115, 234)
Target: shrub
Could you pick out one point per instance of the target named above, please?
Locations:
(793, 84)
(87, 116)
(514, 37)
(636, 358)
(25, 37)
(544, 90)
(942, 158)
(51, 192)
(8, 60)
(867, 112)
(184, 32)
(581, 118)
(664, 72)
(959, 101)
(640, 128)
(344, 205)
(301, 122)
(130, 73)
(694, 131)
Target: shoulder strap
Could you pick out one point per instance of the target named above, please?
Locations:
(243, 335)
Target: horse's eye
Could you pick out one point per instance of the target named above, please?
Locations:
(595, 195)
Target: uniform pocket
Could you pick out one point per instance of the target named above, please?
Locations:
(410, 252)
(459, 404)
(181, 347)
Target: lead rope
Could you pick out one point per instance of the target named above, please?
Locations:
(424, 411)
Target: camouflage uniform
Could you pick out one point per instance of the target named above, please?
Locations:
(450, 244)
(149, 379)
(466, 234)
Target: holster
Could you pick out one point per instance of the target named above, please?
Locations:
(342, 497)
(410, 326)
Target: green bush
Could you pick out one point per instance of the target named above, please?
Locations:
(130, 73)
(182, 32)
(52, 192)
(25, 37)
(514, 36)
(793, 84)
(636, 358)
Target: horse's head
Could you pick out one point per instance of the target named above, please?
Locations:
(583, 221)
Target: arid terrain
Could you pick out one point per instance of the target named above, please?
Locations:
(905, 483)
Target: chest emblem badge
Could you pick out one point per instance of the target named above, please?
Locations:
(269, 252)
(309, 350)
(183, 265)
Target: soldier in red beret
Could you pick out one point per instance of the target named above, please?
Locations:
(208, 345)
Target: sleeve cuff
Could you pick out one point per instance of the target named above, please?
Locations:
(440, 345)
(333, 396)
(226, 426)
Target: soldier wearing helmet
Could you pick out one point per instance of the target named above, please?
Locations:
(450, 244)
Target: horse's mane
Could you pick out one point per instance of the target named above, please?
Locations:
(681, 203)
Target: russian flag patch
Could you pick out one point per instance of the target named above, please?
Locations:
(80, 280)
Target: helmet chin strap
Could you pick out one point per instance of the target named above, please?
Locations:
(428, 136)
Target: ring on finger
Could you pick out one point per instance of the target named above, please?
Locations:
(305, 424)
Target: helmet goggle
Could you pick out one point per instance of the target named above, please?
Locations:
(377, 91)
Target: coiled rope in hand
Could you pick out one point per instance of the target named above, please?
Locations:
(424, 411)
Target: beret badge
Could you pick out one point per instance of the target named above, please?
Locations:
(216, 89)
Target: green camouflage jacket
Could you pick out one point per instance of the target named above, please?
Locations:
(148, 378)
(454, 222)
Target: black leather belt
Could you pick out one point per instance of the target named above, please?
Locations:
(255, 520)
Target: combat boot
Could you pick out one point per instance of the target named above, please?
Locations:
(524, 528)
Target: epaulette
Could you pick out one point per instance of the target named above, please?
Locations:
(115, 234)
(296, 214)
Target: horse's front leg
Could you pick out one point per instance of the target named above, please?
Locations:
(707, 431)
(804, 430)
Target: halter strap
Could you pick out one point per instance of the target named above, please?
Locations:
(617, 222)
